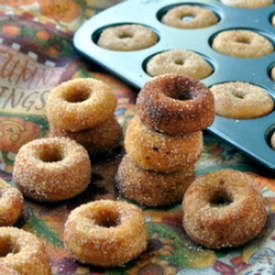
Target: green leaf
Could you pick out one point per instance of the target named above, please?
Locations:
(41, 228)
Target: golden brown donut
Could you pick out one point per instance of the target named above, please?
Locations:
(223, 209)
(52, 169)
(272, 140)
(106, 233)
(23, 252)
(152, 188)
(175, 104)
(201, 17)
(247, 4)
(130, 37)
(273, 73)
(179, 61)
(241, 100)
(242, 43)
(11, 204)
(80, 104)
(95, 140)
(161, 152)
(4, 270)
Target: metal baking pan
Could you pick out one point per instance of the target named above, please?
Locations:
(250, 136)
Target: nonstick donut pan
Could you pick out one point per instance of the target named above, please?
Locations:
(250, 136)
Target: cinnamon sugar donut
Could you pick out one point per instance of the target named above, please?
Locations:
(241, 100)
(242, 43)
(129, 37)
(223, 209)
(161, 152)
(4, 270)
(273, 73)
(247, 4)
(23, 252)
(175, 104)
(152, 188)
(179, 61)
(80, 104)
(106, 233)
(11, 204)
(200, 17)
(95, 140)
(52, 169)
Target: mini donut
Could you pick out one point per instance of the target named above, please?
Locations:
(23, 252)
(80, 104)
(95, 140)
(272, 140)
(200, 17)
(11, 204)
(161, 152)
(152, 188)
(247, 4)
(241, 100)
(7, 271)
(242, 43)
(52, 169)
(129, 37)
(273, 73)
(179, 61)
(175, 104)
(223, 209)
(106, 233)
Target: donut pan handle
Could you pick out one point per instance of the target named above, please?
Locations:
(250, 136)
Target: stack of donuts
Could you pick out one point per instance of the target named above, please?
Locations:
(164, 139)
(83, 110)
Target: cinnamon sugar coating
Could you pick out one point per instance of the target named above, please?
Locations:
(80, 104)
(11, 204)
(4, 270)
(175, 104)
(95, 140)
(152, 188)
(223, 209)
(52, 169)
(161, 152)
(201, 17)
(23, 252)
(241, 100)
(106, 233)
(242, 43)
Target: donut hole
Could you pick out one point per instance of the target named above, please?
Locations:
(7, 247)
(125, 35)
(239, 94)
(187, 17)
(107, 218)
(179, 61)
(180, 94)
(220, 198)
(243, 40)
(51, 154)
(77, 95)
